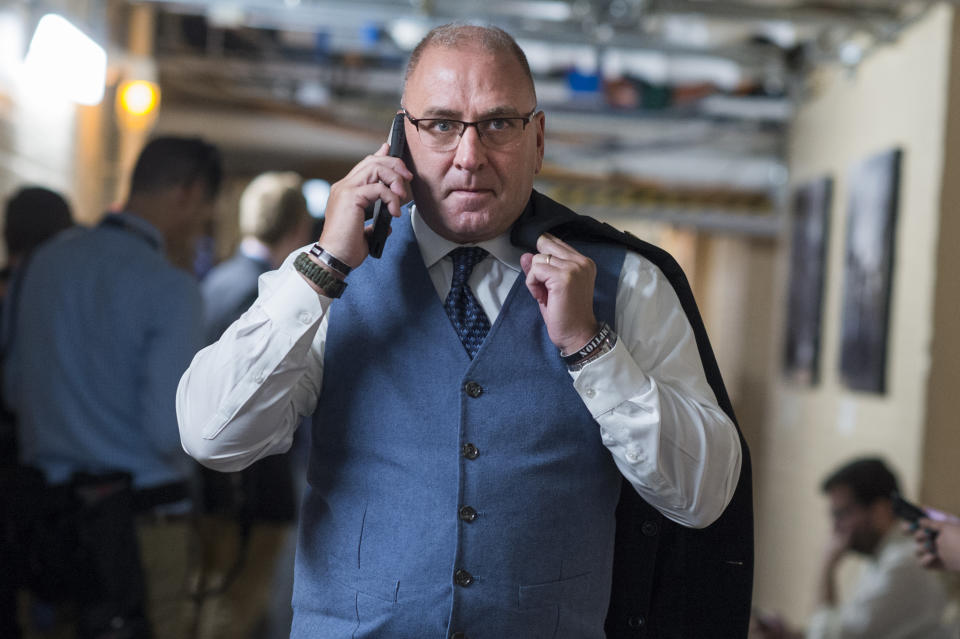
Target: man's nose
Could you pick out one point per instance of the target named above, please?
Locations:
(471, 153)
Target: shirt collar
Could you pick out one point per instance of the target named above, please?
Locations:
(890, 539)
(137, 225)
(434, 248)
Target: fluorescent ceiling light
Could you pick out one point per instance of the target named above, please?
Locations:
(316, 193)
(541, 9)
(65, 61)
(407, 33)
(11, 45)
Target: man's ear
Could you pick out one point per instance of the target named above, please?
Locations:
(180, 195)
(193, 192)
(881, 512)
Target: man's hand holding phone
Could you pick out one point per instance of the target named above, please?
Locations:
(376, 177)
(944, 552)
(936, 534)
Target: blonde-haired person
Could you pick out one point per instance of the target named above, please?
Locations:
(251, 512)
(274, 221)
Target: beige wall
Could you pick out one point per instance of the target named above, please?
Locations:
(939, 477)
(896, 98)
(51, 142)
(36, 146)
(735, 283)
(733, 279)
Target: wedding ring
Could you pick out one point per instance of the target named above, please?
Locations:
(548, 259)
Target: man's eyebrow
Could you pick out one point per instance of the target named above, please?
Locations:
(504, 111)
(440, 112)
(492, 112)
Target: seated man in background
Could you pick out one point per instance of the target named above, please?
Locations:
(893, 596)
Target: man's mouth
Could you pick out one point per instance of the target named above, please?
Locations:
(470, 190)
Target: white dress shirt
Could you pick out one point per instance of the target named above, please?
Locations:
(242, 397)
(894, 598)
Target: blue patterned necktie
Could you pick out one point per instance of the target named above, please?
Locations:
(462, 308)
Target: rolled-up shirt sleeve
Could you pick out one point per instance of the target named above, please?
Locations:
(242, 397)
(657, 414)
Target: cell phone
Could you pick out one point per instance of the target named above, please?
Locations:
(906, 510)
(380, 215)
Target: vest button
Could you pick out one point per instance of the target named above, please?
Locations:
(468, 514)
(470, 451)
(650, 528)
(462, 578)
(635, 622)
(473, 389)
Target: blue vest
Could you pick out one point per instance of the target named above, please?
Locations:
(448, 495)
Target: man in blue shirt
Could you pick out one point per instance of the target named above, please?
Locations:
(104, 327)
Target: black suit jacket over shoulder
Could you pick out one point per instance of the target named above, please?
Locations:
(669, 581)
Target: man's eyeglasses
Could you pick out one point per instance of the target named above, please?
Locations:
(443, 134)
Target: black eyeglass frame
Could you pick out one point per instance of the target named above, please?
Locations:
(526, 119)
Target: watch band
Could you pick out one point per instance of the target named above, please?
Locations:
(602, 343)
(324, 279)
(330, 259)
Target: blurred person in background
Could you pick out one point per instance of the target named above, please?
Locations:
(274, 221)
(31, 216)
(105, 325)
(894, 598)
(250, 513)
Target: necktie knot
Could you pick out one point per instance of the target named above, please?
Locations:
(465, 313)
(464, 259)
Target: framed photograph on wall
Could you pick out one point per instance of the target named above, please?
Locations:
(811, 226)
(868, 271)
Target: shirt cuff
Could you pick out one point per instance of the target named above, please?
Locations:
(610, 380)
(294, 306)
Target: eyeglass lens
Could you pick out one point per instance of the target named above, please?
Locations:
(444, 135)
